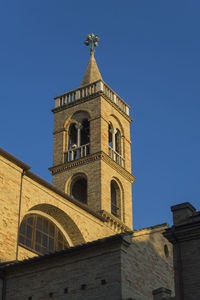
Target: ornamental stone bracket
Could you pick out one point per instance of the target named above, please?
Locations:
(114, 222)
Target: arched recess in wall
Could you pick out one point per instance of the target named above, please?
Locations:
(117, 198)
(63, 221)
(77, 136)
(77, 187)
(40, 233)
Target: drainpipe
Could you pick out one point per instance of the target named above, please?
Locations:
(19, 212)
(179, 265)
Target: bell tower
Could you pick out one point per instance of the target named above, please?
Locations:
(92, 147)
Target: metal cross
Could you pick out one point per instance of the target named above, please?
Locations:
(92, 41)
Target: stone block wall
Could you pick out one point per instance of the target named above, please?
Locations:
(91, 272)
(147, 264)
(98, 167)
(115, 268)
(79, 223)
(10, 182)
(185, 237)
(109, 173)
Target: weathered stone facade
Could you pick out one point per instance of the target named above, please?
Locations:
(99, 168)
(24, 193)
(118, 267)
(103, 257)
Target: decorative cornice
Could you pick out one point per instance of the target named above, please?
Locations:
(88, 98)
(75, 163)
(106, 158)
(14, 160)
(182, 233)
(117, 107)
(65, 106)
(90, 158)
(114, 222)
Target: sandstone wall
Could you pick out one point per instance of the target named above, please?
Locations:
(147, 264)
(78, 223)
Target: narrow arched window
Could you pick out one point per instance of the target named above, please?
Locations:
(41, 235)
(110, 135)
(118, 141)
(115, 199)
(85, 132)
(78, 140)
(78, 189)
(72, 136)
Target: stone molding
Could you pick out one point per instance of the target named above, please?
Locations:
(118, 168)
(14, 160)
(91, 158)
(85, 99)
(182, 233)
(75, 163)
(114, 223)
(117, 108)
(91, 97)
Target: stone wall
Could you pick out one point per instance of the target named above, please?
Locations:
(21, 195)
(147, 264)
(91, 272)
(9, 208)
(99, 168)
(185, 237)
(115, 268)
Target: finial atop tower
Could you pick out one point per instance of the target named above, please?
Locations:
(92, 41)
(92, 73)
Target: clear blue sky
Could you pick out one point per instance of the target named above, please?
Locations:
(149, 53)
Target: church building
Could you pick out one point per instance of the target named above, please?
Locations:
(74, 239)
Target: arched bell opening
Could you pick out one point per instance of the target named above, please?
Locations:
(115, 145)
(72, 136)
(78, 137)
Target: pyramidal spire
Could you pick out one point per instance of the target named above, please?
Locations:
(92, 72)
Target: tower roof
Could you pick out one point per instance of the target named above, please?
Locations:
(92, 72)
